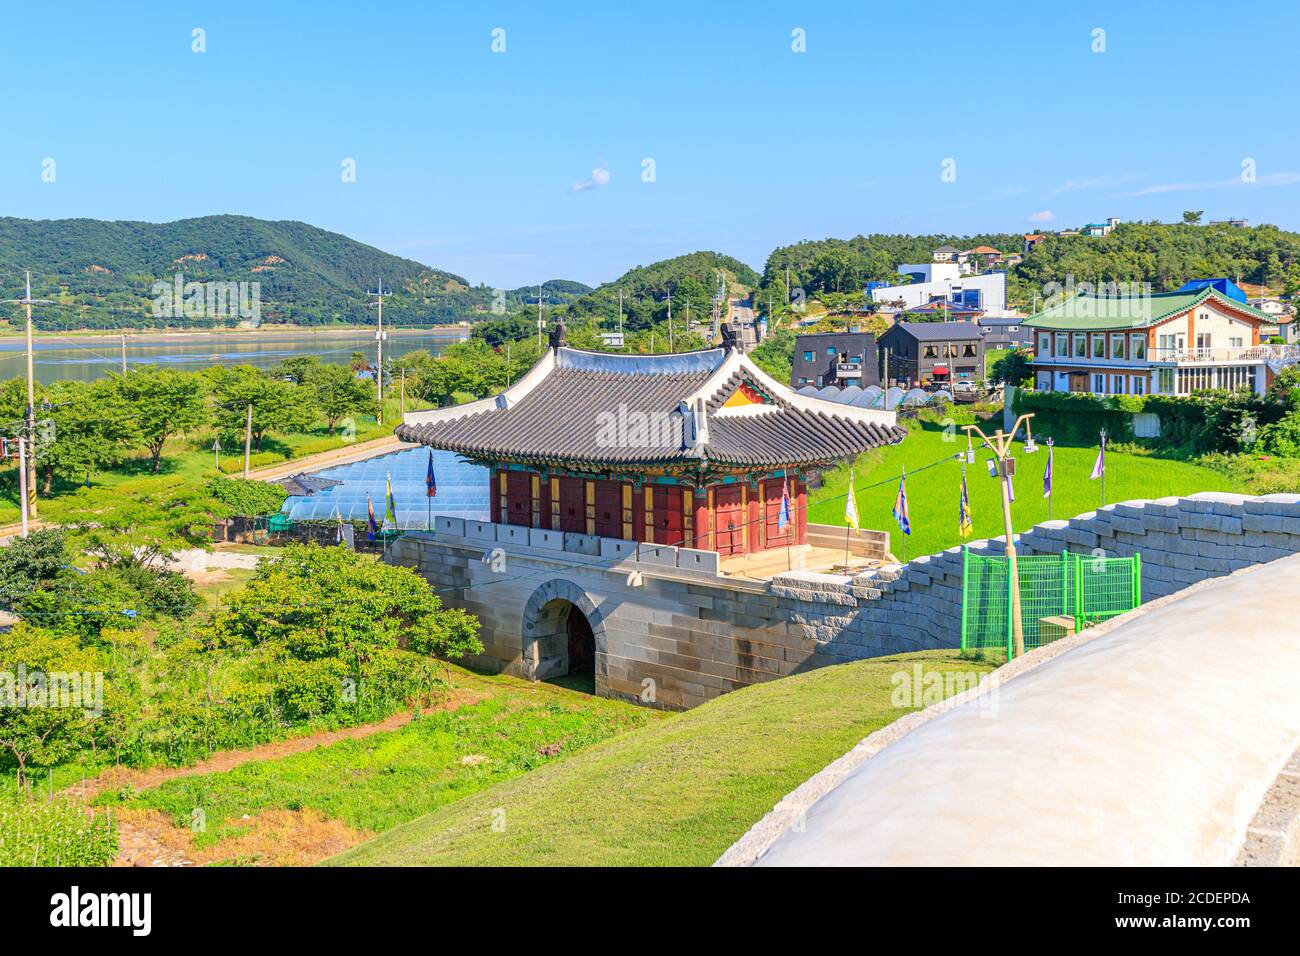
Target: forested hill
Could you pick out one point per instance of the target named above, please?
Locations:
(693, 278)
(1163, 254)
(101, 274)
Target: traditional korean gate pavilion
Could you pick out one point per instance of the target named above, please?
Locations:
(690, 449)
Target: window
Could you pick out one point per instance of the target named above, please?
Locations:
(1202, 341)
(1117, 346)
(1099, 346)
(1080, 346)
(1139, 346)
(1044, 343)
(1117, 384)
(931, 352)
(1165, 381)
(1234, 341)
(1013, 328)
(968, 351)
(807, 356)
(819, 381)
(1139, 385)
(831, 353)
(1099, 383)
(1062, 344)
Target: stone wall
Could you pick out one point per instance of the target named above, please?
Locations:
(673, 635)
(918, 605)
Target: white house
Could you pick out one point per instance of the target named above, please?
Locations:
(943, 281)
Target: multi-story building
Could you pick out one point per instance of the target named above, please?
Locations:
(932, 353)
(835, 358)
(1170, 343)
(941, 282)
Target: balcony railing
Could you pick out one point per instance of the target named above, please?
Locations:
(848, 369)
(1249, 353)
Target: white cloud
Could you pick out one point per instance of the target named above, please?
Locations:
(1092, 182)
(1043, 215)
(599, 177)
(1272, 179)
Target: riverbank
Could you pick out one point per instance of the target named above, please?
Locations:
(457, 331)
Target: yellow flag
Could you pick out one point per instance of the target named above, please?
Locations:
(851, 506)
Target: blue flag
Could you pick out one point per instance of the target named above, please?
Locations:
(430, 482)
(786, 514)
(371, 525)
(1047, 475)
(900, 505)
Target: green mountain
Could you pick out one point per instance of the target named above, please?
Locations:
(693, 278)
(1163, 254)
(112, 275)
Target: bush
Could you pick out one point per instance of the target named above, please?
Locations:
(1281, 437)
(37, 833)
(245, 497)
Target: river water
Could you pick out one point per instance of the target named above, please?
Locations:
(84, 358)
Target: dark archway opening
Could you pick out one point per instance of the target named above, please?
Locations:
(564, 646)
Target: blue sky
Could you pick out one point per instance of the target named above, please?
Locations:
(467, 159)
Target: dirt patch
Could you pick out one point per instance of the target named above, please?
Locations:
(270, 838)
(144, 779)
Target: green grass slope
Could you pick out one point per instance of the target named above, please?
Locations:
(677, 791)
(933, 494)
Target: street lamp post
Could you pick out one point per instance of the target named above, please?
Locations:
(1000, 444)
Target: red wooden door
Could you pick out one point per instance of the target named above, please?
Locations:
(729, 520)
(668, 514)
(776, 536)
(609, 509)
(573, 505)
(519, 498)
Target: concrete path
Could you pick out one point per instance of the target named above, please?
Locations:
(1152, 741)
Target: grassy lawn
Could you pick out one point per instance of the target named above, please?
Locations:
(933, 495)
(376, 782)
(189, 456)
(230, 579)
(675, 791)
(990, 358)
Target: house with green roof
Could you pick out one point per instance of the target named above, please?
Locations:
(1168, 343)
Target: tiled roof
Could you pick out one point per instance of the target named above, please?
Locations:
(592, 409)
(1089, 312)
(940, 331)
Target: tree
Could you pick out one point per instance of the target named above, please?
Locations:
(1192, 216)
(278, 406)
(123, 526)
(329, 614)
(339, 392)
(44, 716)
(1014, 368)
(81, 429)
(28, 563)
(163, 402)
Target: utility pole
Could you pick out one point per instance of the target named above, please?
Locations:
(539, 318)
(379, 295)
(403, 390)
(620, 315)
(248, 438)
(123, 353)
(29, 471)
(1000, 444)
(670, 322)
(22, 479)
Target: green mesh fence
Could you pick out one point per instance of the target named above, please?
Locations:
(1059, 595)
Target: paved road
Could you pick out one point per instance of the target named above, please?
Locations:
(742, 316)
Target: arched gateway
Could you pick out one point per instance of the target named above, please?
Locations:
(563, 632)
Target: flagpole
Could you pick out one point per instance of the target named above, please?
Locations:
(1103, 466)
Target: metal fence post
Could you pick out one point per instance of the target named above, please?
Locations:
(965, 585)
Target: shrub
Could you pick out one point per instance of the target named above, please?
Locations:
(1281, 437)
(245, 497)
(37, 833)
